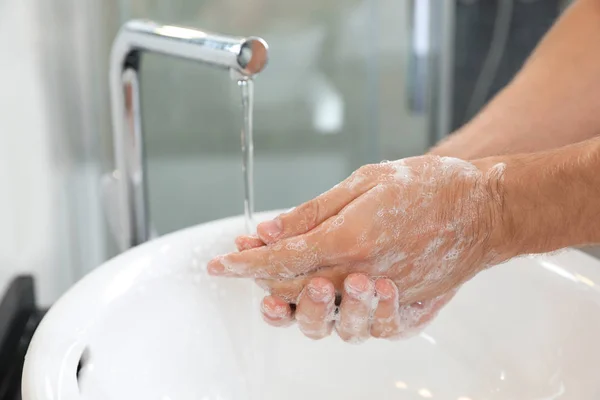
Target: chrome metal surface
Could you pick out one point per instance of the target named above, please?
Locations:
(243, 56)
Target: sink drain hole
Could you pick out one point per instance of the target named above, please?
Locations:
(81, 364)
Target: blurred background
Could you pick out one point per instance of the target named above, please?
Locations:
(349, 82)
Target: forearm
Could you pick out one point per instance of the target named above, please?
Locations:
(551, 199)
(553, 101)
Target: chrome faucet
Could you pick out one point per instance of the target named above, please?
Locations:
(244, 57)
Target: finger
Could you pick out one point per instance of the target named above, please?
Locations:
(276, 311)
(386, 320)
(356, 307)
(247, 242)
(311, 214)
(315, 308)
(289, 290)
(285, 259)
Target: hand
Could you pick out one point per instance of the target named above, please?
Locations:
(372, 312)
(368, 309)
(427, 223)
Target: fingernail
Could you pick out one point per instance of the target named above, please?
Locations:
(273, 310)
(385, 289)
(320, 293)
(241, 243)
(215, 267)
(357, 286)
(272, 229)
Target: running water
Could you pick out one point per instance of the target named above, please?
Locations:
(257, 362)
(247, 88)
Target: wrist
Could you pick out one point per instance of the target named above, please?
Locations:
(545, 200)
(496, 218)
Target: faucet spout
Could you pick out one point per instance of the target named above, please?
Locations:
(244, 57)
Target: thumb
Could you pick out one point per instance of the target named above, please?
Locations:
(311, 214)
(247, 242)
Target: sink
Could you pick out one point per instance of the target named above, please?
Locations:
(150, 324)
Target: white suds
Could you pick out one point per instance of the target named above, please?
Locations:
(456, 165)
(433, 246)
(354, 180)
(402, 173)
(386, 262)
(231, 266)
(298, 245)
(497, 171)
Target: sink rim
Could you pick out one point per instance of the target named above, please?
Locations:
(66, 349)
(54, 359)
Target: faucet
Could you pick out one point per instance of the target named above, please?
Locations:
(243, 57)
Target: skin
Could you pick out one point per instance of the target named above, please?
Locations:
(389, 319)
(540, 130)
(550, 103)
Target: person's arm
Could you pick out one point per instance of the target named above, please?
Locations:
(553, 101)
(551, 198)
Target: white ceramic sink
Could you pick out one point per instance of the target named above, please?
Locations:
(152, 325)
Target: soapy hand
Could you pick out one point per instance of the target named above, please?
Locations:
(369, 308)
(372, 312)
(426, 223)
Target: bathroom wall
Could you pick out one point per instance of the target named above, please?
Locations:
(31, 235)
(50, 217)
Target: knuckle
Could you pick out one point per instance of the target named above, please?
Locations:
(310, 214)
(359, 177)
(365, 169)
(369, 170)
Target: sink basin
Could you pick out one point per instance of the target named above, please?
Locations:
(150, 324)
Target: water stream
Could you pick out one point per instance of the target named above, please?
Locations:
(256, 353)
(247, 89)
